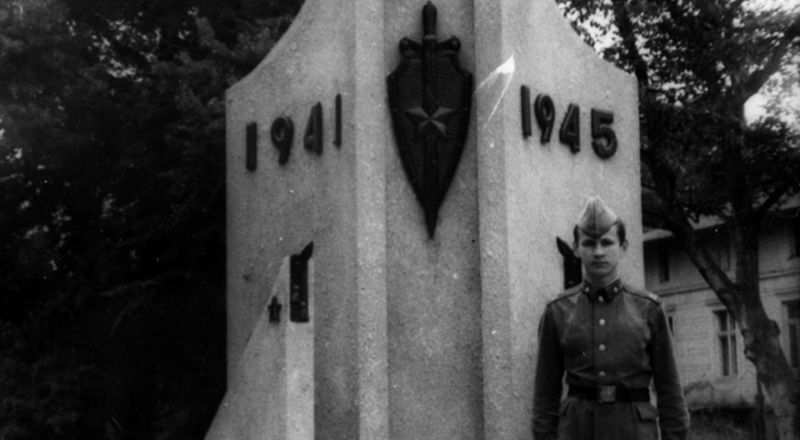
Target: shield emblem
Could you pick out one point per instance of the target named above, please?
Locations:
(429, 98)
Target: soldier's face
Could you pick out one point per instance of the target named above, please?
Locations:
(601, 255)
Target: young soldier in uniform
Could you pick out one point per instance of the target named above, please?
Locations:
(611, 340)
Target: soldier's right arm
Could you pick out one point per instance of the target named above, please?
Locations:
(673, 417)
(547, 383)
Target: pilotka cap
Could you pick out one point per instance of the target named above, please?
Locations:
(597, 218)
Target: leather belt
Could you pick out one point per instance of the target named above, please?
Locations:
(609, 393)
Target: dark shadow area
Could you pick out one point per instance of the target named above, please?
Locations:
(112, 227)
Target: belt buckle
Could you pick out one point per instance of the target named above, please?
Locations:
(606, 393)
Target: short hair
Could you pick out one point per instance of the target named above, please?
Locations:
(620, 231)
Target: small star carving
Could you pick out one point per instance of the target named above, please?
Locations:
(435, 123)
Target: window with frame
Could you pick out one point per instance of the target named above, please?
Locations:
(670, 312)
(726, 335)
(662, 251)
(720, 248)
(671, 322)
(722, 254)
(793, 332)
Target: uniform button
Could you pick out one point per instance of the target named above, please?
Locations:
(616, 289)
(602, 321)
(602, 374)
(601, 299)
(602, 347)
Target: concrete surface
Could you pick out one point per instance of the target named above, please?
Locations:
(271, 396)
(419, 338)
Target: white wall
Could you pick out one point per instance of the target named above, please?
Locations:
(690, 302)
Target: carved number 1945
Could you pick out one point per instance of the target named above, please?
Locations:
(604, 140)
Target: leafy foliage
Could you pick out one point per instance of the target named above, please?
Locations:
(112, 227)
(698, 62)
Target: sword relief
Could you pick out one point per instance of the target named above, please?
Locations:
(430, 97)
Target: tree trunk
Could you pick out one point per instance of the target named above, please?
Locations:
(762, 347)
(742, 298)
(759, 332)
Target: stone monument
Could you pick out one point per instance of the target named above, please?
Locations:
(432, 153)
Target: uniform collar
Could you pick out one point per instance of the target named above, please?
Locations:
(602, 294)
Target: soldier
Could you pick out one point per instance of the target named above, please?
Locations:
(611, 340)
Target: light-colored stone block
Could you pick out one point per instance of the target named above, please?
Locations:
(531, 193)
(270, 394)
(420, 338)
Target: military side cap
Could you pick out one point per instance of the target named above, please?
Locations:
(597, 218)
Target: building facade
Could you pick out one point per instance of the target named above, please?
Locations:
(708, 344)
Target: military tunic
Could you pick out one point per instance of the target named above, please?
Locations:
(600, 337)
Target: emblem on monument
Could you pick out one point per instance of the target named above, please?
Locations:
(430, 97)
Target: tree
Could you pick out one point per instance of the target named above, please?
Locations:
(697, 62)
(112, 228)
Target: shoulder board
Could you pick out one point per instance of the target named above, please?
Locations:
(567, 293)
(643, 293)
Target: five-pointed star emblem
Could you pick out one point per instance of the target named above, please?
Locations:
(430, 117)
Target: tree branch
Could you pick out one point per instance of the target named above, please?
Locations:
(753, 83)
(626, 31)
(771, 201)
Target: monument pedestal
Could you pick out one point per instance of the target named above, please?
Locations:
(419, 336)
(272, 394)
